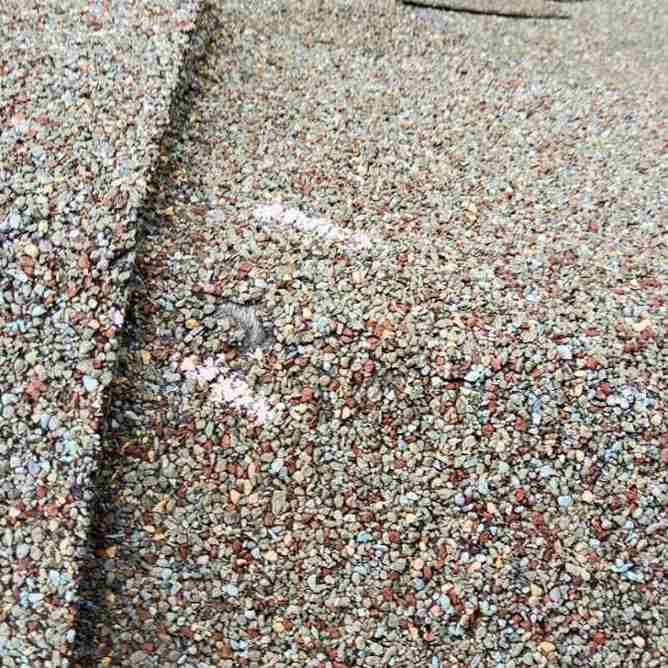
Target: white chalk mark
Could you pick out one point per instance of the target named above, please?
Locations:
(215, 216)
(281, 215)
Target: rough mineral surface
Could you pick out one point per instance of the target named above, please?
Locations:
(392, 386)
(394, 389)
(85, 94)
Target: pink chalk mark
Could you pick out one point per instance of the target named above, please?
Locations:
(233, 391)
(208, 373)
(189, 363)
(236, 392)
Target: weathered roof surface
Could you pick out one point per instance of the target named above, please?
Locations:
(85, 95)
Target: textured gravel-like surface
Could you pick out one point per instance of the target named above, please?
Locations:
(394, 389)
(85, 94)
